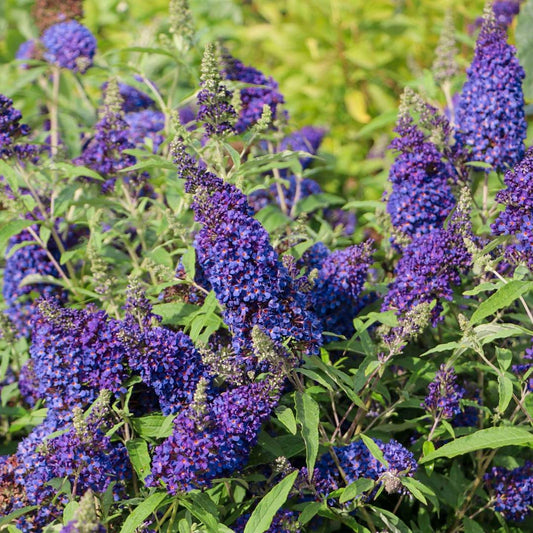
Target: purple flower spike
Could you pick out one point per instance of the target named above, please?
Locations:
(513, 490)
(253, 99)
(490, 116)
(516, 219)
(444, 394)
(243, 269)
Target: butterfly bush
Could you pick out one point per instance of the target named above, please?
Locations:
(206, 325)
(69, 45)
(243, 268)
(490, 115)
(515, 219)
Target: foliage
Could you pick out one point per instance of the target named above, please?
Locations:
(197, 333)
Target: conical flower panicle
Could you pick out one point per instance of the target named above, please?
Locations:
(490, 117)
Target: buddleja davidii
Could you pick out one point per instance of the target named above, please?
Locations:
(422, 174)
(243, 269)
(491, 123)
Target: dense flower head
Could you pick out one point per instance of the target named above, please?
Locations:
(212, 439)
(104, 153)
(11, 130)
(263, 91)
(31, 259)
(421, 196)
(428, 269)
(143, 124)
(169, 363)
(76, 353)
(86, 454)
(505, 11)
(77, 450)
(134, 99)
(444, 394)
(357, 462)
(307, 139)
(243, 269)
(490, 116)
(336, 295)
(69, 45)
(513, 490)
(516, 219)
(27, 50)
(28, 383)
(314, 257)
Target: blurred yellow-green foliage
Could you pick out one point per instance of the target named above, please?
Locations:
(341, 64)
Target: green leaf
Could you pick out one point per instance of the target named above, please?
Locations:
(355, 489)
(286, 417)
(491, 438)
(16, 514)
(142, 512)
(502, 298)
(373, 448)
(471, 526)
(202, 507)
(308, 415)
(139, 456)
(11, 228)
(483, 287)
(267, 508)
(188, 259)
(505, 391)
(272, 218)
(151, 426)
(309, 511)
(504, 357)
(69, 512)
(417, 489)
(445, 347)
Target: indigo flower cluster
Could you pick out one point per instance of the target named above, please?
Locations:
(69, 45)
(516, 219)
(213, 438)
(243, 269)
(490, 117)
(78, 451)
(10, 132)
(444, 394)
(28, 260)
(505, 11)
(169, 364)
(145, 124)
(357, 462)
(513, 490)
(75, 354)
(104, 153)
(27, 50)
(307, 139)
(336, 295)
(133, 98)
(428, 269)
(262, 91)
(421, 196)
